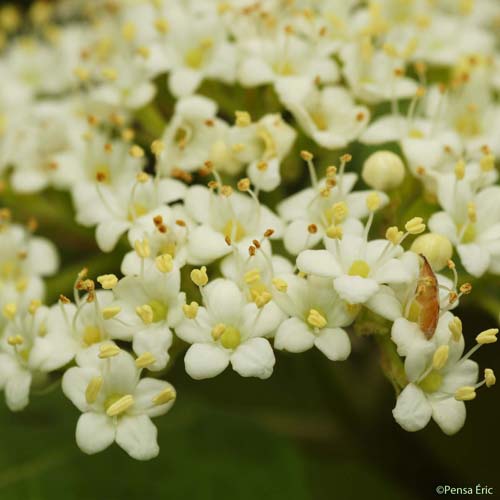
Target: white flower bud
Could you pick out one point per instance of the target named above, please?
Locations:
(383, 170)
(436, 248)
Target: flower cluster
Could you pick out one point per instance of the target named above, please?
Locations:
(181, 131)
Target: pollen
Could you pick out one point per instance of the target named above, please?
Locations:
(144, 360)
(15, 340)
(316, 319)
(145, 312)
(415, 225)
(190, 310)
(199, 276)
(120, 406)
(455, 326)
(168, 394)
(230, 338)
(489, 377)
(488, 336)
(92, 390)
(164, 263)
(107, 281)
(218, 330)
(440, 357)
(394, 235)
(465, 393)
(108, 350)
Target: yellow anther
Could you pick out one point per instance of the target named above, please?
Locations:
(129, 31)
(488, 336)
(109, 74)
(162, 25)
(168, 394)
(136, 151)
(142, 248)
(394, 235)
(164, 263)
(252, 276)
(199, 276)
(93, 388)
(339, 211)
(9, 310)
(335, 231)
(306, 155)
(390, 50)
(466, 288)
(15, 340)
(455, 326)
(261, 298)
(120, 406)
(489, 377)
(144, 360)
(145, 312)
(440, 357)
(218, 330)
(262, 166)
(144, 51)
(460, 170)
(465, 393)
(487, 162)
(373, 202)
(244, 184)
(280, 284)
(108, 350)
(107, 281)
(110, 312)
(190, 310)
(142, 177)
(316, 319)
(157, 147)
(243, 118)
(83, 74)
(471, 211)
(331, 172)
(34, 305)
(415, 225)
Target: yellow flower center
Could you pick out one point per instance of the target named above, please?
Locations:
(432, 382)
(359, 268)
(231, 338)
(91, 335)
(234, 230)
(160, 310)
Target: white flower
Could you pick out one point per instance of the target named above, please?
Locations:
(471, 222)
(116, 404)
(329, 116)
(373, 75)
(26, 354)
(193, 135)
(283, 57)
(166, 229)
(329, 202)
(436, 370)
(358, 267)
(228, 330)
(220, 216)
(149, 305)
(317, 317)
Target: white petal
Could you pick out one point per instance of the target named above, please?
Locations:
(74, 385)
(474, 258)
(393, 271)
(334, 343)
(137, 436)
(156, 340)
(17, 390)
(42, 256)
(145, 392)
(224, 301)
(195, 330)
(319, 262)
(449, 414)
(94, 432)
(385, 303)
(184, 81)
(293, 335)
(108, 233)
(205, 245)
(297, 237)
(254, 358)
(205, 361)
(463, 373)
(355, 289)
(412, 411)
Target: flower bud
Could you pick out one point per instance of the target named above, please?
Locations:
(383, 170)
(436, 248)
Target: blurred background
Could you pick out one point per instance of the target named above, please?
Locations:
(315, 430)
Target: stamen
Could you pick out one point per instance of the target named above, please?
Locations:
(190, 310)
(465, 393)
(107, 281)
(165, 396)
(93, 388)
(120, 406)
(110, 312)
(108, 350)
(199, 276)
(144, 360)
